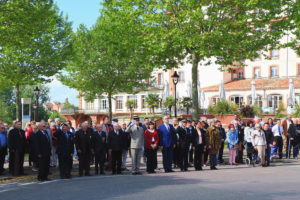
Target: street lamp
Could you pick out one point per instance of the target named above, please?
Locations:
(36, 106)
(175, 78)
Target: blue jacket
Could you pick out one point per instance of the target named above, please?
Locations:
(232, 137)
(166, 138)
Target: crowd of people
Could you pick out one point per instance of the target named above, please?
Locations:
(183, 143)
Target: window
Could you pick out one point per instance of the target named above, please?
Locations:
(256, 72)
(143, 102)
(241, 74)
(103, 104)
(119, 102)
(298, 69)
(274, 54)
(160, 79)
(135, 100)
(238, 100)
(90, 105)
(258, 100)
(181, 76)
(273, 71)
(258, 55)
(274, 100)
(215, 100)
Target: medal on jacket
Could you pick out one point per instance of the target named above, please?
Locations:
(177, 136)
(153, 140)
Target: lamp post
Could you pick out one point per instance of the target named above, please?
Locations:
(175, 78)
(36, 106)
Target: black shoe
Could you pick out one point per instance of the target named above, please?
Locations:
(119, 172)
(102, 173)
(134, 173)
(172, 170)
(48, 179)
(138, 173)
(87, 174)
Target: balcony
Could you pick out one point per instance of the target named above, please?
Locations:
(69, 111)
(94, 111)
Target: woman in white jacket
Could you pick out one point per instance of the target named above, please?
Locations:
(248, 133)
(259, 143)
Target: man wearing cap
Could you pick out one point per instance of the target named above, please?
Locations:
(64, 150)
(167, 141)
(184, 145)
(137, 135)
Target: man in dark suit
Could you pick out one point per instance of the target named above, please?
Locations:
(43, 151)
(16, 145)
(167, 141)
(199, 144)
(99, 148)
(107, 128)
(83, 146)
(3, 147)
(184, 142)
(64, 150)
(116, 143)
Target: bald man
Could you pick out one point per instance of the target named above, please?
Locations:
(43, 151)
(83, 146)
(116, 143)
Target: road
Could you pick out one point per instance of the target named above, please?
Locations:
(280, 181)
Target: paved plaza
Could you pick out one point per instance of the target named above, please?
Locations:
(280, 181)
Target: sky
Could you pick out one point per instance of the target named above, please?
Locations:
(79, 12)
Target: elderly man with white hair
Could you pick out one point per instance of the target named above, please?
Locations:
(16, 145)
(83, 147)
(116, 144)
(43, 151)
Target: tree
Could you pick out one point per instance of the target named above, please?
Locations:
(130, 105)
(209, 32)
(109, 58)
(34, 43)
(295, 27)
(152, 101)
(187, 103)
(68, 105)
(169, 102)
(57, 115)
(8, 101)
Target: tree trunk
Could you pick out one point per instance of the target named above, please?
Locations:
(130, 113)
(195, 86)
(187, 111)
(110, 107)
(170, 110)
(18, 108)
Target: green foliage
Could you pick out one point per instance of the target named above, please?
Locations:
(280, 110)
(169, 102)
(8, 101)
(150, 116)
(250, 111)
(296, 114)
(68, 105)
(152, 101)
(130, 103)
(34, 41)
(57, 115)
(197, 31)
(187, 103)
(222, 108)
(109, 58)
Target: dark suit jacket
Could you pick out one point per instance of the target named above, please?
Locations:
(43, 144)
(98, 142)
(117, 142)
(196, 137)
(64, 145)
(184, 138)
(16, 140)
(83, 141)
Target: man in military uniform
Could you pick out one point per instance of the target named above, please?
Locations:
(213, 141)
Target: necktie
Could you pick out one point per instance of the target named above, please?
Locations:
(137, 128)
(67, 136)
(107, 128)
(46, 136)
(200, 137)
(279, 130)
